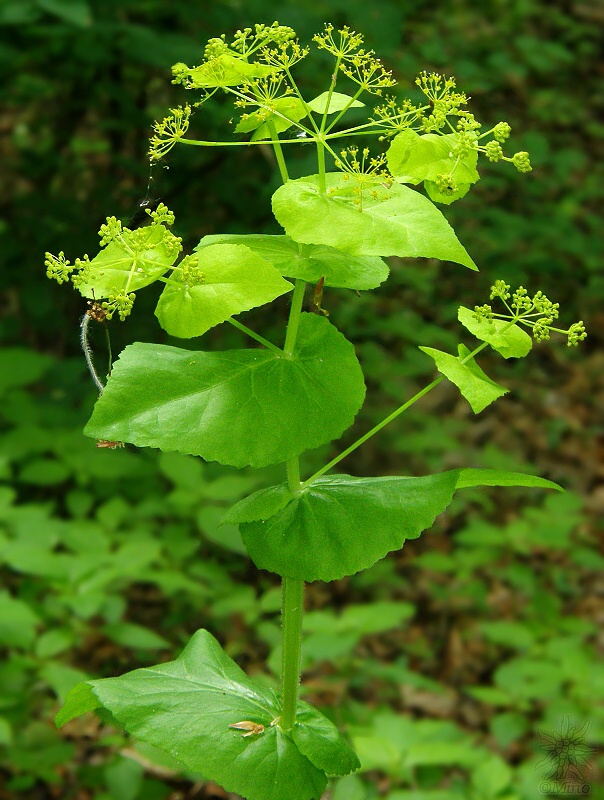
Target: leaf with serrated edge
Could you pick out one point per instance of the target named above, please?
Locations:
(239, 407)
(509, 340)
(187, 708)
(309, 262)
(235, 280)
(340, 525)
(478, 389)
(394, 221)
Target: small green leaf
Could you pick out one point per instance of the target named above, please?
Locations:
(445, 198)
(61, 678)
(376, 221)
(20, 367)
(340, 525)
(509, 340)
(319, 740)
(261, 505)
(188, 707)
(478, 389)
(80, 700)
(240, 407)
(290, 107)
(17, 622)
(413, 158)
(337, 102)
(309, 262)
(128, 634)
(131, 262)
(496, 477)
(234, 280)
(225, 70)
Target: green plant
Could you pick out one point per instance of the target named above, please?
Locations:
(259, 407)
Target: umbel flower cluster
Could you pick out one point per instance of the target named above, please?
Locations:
(255, 70)
(537, 313)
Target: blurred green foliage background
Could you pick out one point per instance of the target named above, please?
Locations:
(444, 661)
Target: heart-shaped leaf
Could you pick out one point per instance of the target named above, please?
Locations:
(340, 525)
(205, 712)
(365, 217)
(308, 261)
(240, 407)
(234, 280)
(478, 389)
(509, 340)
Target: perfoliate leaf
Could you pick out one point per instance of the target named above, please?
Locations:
(366, 217)
(308, 261)
(413, 158)
(205, 712)
(445, 198)
(339, 525)
(240, 407)
(234, 280)
(224, 70)
(290, 107)
(337, 102)
(478, 389)
(509, 340)
(134, 260)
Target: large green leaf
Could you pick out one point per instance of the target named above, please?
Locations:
(240, 407)
(187, 708)
(308, 261)
(234, 280)
(413, 158)
(509, 340)
(134, 260)
(339, 524)
(378, 220)
(478, 389)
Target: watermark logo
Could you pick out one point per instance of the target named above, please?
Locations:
(567, 759)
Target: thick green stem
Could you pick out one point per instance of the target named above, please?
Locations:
(321, 163)
(294, 317)
(292, 610)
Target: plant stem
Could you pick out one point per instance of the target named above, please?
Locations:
(373, 431)
(389, 418)
(278, 152)
(321, 163)
(293, 474)
(294, 317)
(292, 611)
(249, 332)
